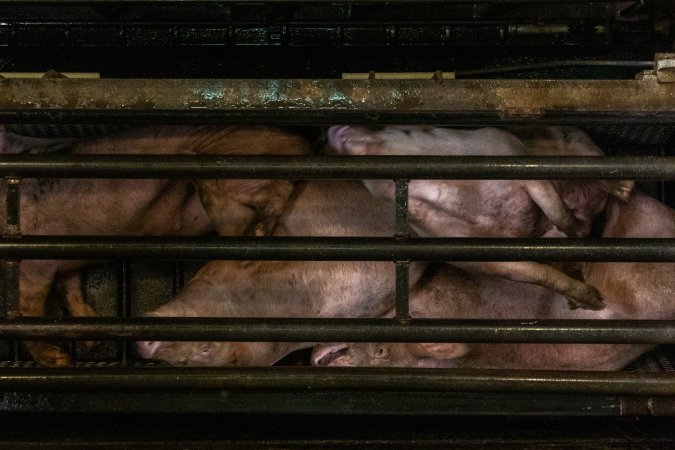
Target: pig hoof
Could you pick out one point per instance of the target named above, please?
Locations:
(91, 345)
(622, 189)
(52, 356)
(590, 299)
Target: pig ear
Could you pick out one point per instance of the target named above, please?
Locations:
(324, 353)
(439, 351)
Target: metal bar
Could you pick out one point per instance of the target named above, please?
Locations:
(344, 167)
(124, 303)
(341, 330)
(10, 305)
(553, 65)
(402, 291)
(13, 205)
(387, 2)
(329, 402)
(402, 233)
(328, 101)
(366, 379)
(339, 249)
(402, 230)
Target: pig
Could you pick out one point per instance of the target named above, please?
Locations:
(631, 291)
(290, 288)
(140, 207)
(494, 208)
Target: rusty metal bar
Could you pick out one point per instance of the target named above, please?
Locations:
(328, 101)
(402, 230)
(339, 248)
(344, 167)
(10, 305)
(364, 379)
(341, 330)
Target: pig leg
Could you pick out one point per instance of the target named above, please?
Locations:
(546, 196)
(70, 287)
(578, 293)
(621, 189)
(238, 207)
(35, 281)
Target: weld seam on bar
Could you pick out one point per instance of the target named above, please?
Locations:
(340, 249)
(341, 330)
(364, 379)
(346, 167)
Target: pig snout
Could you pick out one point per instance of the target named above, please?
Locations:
(330, 355)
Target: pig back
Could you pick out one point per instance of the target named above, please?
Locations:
(336, 208)
(637, 290)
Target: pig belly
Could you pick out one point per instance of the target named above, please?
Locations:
(108, 207)
(474, 209)
(551, 356)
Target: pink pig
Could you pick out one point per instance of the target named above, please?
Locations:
(630, 290)
(494, 208)
(289, 288)
(140, 207)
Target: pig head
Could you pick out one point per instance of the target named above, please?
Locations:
(631, 291)
(494, 208)
(140, 207)
(289, 288)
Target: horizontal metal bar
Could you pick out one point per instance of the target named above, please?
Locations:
(304, 101)
(327, 402)
(338, 249)
(387, 2)
(341, 330)
(553, 65)
(312, 378)
(343, 167)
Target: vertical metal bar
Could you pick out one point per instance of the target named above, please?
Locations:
(124, 304)
(402, 231)
(178, 276)
(10, 307)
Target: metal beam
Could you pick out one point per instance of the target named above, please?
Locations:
(312, 378)
(267, 329)
(343, 167)
(327, 101)
(339, 248)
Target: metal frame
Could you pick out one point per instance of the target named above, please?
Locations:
(329, 101)
(326, 102)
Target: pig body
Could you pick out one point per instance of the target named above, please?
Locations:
(631, 291)
(291, 288)
(494, 208)
(141, 207)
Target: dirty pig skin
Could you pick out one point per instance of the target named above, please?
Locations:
(494, 208)
(289, 288)
(140, 207)
(631, 291)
